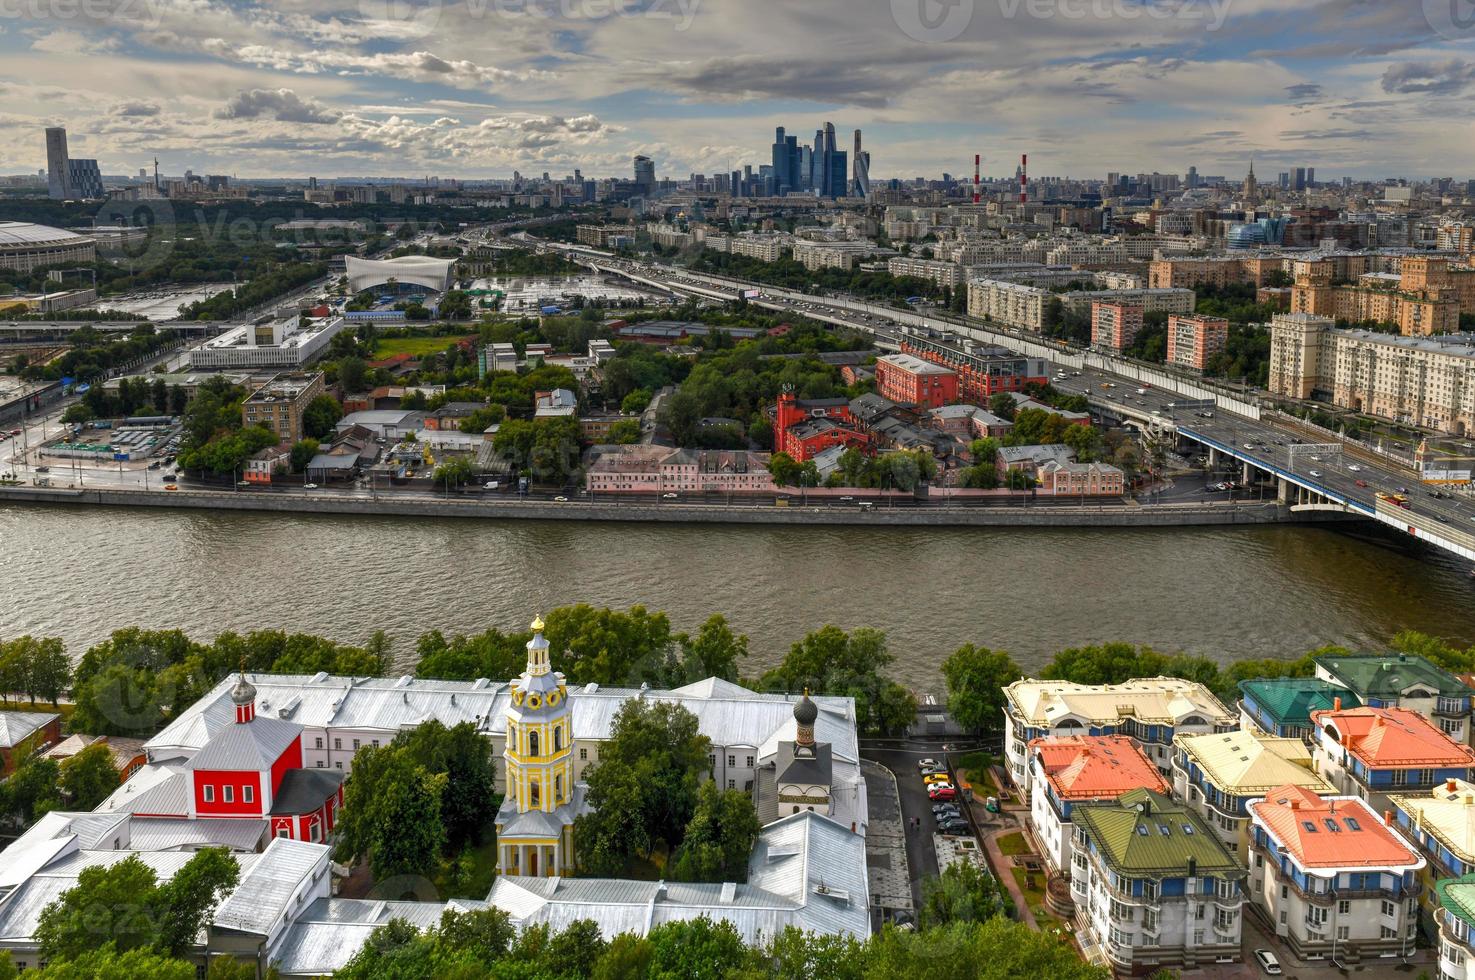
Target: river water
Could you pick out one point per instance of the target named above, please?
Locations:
(1226, 593)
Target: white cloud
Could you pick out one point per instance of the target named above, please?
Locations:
(283, 105)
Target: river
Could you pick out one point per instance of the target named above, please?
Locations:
(1225, 593)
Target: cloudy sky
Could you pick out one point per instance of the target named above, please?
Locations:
(478, 88)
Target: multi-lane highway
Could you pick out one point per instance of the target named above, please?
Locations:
(1235, 428)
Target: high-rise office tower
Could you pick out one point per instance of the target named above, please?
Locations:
(861, 182)
(1300, 183)
(803, 166)
(1310, 176)
(57, 185)
(645, 175)
(781, 158)
(1192, 180)
(817, 163)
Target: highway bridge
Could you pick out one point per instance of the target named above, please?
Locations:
(1311, 470)
(25, 330)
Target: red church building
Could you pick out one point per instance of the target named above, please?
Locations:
(252, 770)
(806, 428)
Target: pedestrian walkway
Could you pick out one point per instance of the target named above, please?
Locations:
(1003, 870)
(886, 845)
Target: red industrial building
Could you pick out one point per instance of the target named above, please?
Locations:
(983, 371)
(909, 380)
(805, 428)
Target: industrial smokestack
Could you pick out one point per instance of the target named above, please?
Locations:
(1024, 178)
(977, 169)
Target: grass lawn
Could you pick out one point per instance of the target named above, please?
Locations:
(479, 882)
(1034, 896)
(65, 710)
(414, 346)
(1012, 844)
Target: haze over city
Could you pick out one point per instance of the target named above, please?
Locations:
(480, 89)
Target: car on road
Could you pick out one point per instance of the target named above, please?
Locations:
(1354, 468)
(1268, 962)
(1362, 484)
(494, 485)
(1249, 447)
(309, 486)
(244, 484)
(1316, 474)
(937, 779)
(43, 469)
(928, 764)
(15, 432)
(560, 500)
(170, 486)
(670, 496)
(942, 792)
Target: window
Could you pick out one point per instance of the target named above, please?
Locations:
(533, 744)
(375, 743)
(283, 832)
(558, 788)
(1315, 916)
(750, 762)
(337, 743)
(337, 765)
(1344, 932)
(731, 761)
(248, 794)
(1400, 777)
(318, 743)
(228, 794)
(1344, 907)
(1352, 824)
(533, 794)
(315, 832)
(557, 738)
(732, 784)
(355, 745)
(1387, 933)
(209, 794)
(583, 755)
(1332, 825)
(1389, 909)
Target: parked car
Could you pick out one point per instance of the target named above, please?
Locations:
(1362, 484)
(560, 500)
(1268, 962)
(671, 496)
(309, 486)
(942, 792)
(928, 764)
(170, 486)
(936, 778)
(954, 827)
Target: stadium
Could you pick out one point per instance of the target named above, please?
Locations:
(25, 246)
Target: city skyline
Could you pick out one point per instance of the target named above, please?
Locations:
(480, 89)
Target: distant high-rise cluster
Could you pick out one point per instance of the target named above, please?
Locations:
(822, 169)
(68, 179)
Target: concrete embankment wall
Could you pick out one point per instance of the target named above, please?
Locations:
(1169, 515)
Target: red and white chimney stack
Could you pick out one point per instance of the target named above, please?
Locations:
(977, 182)
(1024, 178)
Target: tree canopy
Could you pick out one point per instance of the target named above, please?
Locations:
(831, 661)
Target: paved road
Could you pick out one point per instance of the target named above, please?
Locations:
(921, 857)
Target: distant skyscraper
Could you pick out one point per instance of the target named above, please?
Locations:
(1310, 176)
(817, 163)
(645, 175)
(1300, 184)
(84, 180)
(786, 158)
(57, 186)
(1192, 180)
(1285, 180)
(861, 185)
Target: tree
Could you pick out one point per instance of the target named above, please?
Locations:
(30, 792)
(465, 756)
(321, 416)
(455, 472)
(719, 837)
(352, 372)
(1002, 405)
(713, 652)
(625, 432)
(785, 469)
(88, 777)
(964, 892)
(187, 901)
(39, 667)
(107, 963)
(110, 904)
(644, 787)
(409, 836)
(697, 949)
(830, 661)
(303, 453)
(606, 646)
(976, 678)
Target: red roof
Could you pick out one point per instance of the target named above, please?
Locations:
(1394, 738)
(1096, 767)
(1335, 832)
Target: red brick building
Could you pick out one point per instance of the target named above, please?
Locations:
(983, 371)
(909, 380)
(804, 429)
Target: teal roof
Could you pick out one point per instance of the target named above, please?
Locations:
(1388, 677)
(1148, 834)
(1457, 895)
(1290, 700)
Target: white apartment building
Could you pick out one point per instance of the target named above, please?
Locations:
(1332, 877)
(1009, 303)
(283, 343)
(1151, 711)
(942, 273)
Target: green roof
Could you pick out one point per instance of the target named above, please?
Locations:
(1387, 677)
(1457, 895)
(1149, 834)
(1290, 700)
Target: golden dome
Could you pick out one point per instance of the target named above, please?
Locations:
(538, 624)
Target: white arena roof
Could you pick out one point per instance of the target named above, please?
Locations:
(21, 234)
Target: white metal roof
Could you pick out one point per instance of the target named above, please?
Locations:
(16, 726)
(261, 898)
(18, 234)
